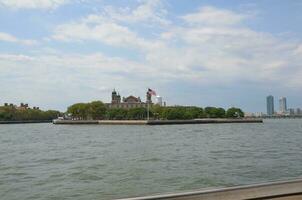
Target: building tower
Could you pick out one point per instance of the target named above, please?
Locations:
(148, 97)
(282, 105)
(115, 97)
(270, 105)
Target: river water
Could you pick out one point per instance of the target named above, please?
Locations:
(45, 161)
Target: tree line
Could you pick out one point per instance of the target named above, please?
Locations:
(97, 110)
(11, 113)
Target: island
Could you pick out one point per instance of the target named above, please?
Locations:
(132, 111)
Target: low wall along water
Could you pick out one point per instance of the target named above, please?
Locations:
(157, 122)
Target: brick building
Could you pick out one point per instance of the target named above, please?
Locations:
(128, 102)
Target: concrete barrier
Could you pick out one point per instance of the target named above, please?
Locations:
(157, 122)
(25, 122)
(74, 122)
(282, 190)
(123, 122)
(203, 121)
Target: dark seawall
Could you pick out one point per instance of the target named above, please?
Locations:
(203, 121)
(156, 122)
(25, 121)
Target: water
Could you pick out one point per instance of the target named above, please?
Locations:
(45, 161)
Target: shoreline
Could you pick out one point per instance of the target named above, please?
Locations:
(155, 122)
(26, 122)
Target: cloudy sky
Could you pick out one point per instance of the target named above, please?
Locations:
(192, 52)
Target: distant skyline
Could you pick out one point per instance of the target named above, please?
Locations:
(54, 53)
(270, 108)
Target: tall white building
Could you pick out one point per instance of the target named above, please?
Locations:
(282, 105)
(159, 100)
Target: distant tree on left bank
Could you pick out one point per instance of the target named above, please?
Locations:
(12, 113)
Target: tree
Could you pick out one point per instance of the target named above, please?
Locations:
(116, 114)
(234, 113)
(79, 110)
(136, 113)
(173, 113)
(51, 114)
(96, 110)
(193, 113)
(11, 113)
(7, 113)
(156, 111)
(178, 112)
(212, 112)
(220, 112)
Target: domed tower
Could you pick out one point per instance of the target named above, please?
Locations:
(148, 97)
(118, 98)
(114, 96)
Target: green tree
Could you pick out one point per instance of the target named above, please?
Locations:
(136, 113)
(116, 114)
(212, 112)
(96, 110)
(193, 113)
(220, 112)
(5, 115)
(51, 114)
(173, 113)
(79, 110)
(156, 111)
(234, 113)
(11, 113)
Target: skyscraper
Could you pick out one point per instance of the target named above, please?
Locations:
(282, 105)
(159, 100)
(270, 105)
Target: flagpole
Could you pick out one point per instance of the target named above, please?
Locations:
(148, 111)
(149, 95)
(148, 106)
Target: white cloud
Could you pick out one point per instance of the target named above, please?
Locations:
(103, 31)
(225, 52)
(108, 33)
(209, 15)
(15, 58)
(10, 38)
(150, 11)
(298, 50)
(222, 50)
(212, 47)
(110, 27)
(76, 77)
(33, 4)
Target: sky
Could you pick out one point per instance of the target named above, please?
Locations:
(54, 53)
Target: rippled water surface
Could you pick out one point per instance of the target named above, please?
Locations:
(45, 161)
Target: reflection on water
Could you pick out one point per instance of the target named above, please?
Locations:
(44, 161)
